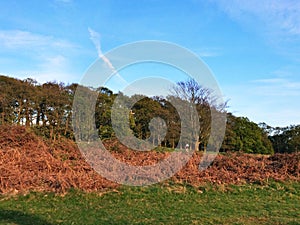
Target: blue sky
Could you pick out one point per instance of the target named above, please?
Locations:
(252, 47)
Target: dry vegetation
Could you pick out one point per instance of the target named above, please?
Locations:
(27, 162)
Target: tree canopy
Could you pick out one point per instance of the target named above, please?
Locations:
(47, 108)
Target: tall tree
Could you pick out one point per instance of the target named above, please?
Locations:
(205, 101)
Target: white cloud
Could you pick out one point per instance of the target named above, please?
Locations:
(208, 52)
(48, 68)
(274, 101)
(46, 76)
(279, 14)
(277, 22)
(41, 57)
(276, 87)
(63, 1)
(18, 39)
(57, 61)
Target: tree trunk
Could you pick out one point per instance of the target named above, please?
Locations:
(19, 114)
(196, 147)
(27, 122)
(67, 126)
(3, 116)
(38, 117)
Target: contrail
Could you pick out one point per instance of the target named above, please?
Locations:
(95, 37)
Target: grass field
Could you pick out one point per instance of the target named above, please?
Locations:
(275, 203)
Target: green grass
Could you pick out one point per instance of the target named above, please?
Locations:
(276, 203)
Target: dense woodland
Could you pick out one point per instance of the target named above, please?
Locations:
(47, 109)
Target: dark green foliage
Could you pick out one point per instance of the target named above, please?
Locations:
(246, 136)
(104, 103)
(286, 139)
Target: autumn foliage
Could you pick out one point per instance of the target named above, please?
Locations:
(29, 162)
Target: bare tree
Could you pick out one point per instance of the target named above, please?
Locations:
(205, 102)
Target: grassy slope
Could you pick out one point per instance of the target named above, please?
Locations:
(277, 203)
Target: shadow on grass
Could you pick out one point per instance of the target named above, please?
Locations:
(17, 217)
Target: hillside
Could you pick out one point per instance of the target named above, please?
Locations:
(28, 162)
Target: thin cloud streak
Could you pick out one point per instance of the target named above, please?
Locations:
(95, 38)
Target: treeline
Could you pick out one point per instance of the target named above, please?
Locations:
(47, 109)
(284, 139)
